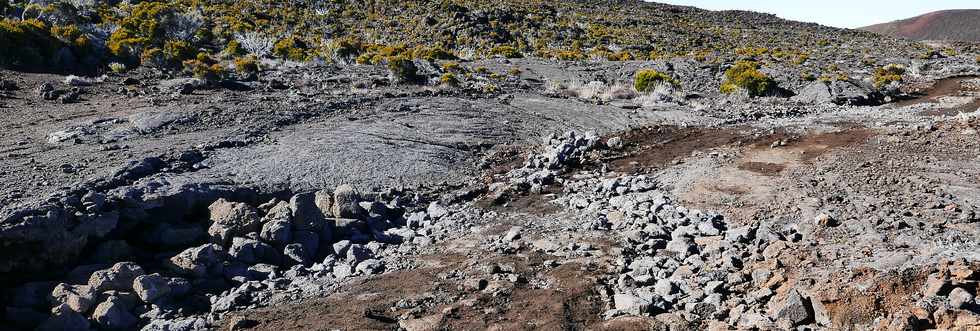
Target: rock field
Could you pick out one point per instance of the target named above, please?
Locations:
(323, 196)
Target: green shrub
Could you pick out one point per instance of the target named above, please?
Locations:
(291, 48)
(154, 58)
(432, 53)
(506, 51)
(746, 75)
(402, 69)
(246, 65)
(234, 48)
(450, 66)
(346, 49)
(620, 56)
(888, 74)
(203, 70)
(646, 79)
(117, 67)
(176, 51)
(141, 28)
(26, 43)
(448, 79)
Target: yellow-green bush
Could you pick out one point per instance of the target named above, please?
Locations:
(450, 66)
(139, 29)
(153, 57)
(620, 56)
(203, 70)
(746, 75)
(26, 43)
(888, 74)
(291, 48)
(506, 51)
(402, 69)
(448, 79)
(432, 53)
(177, 51)
(246, 65)
(233, 48)
(646, 79)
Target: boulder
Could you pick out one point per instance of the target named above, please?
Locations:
(79, 298)
(114, 314)
(631, 304)
(357, 253)
(64, 318)
(277, 232)
(836, 92)
(119, 277)
(231, 219)
(295, 253)
(151, 288)
(436, 210)
(179, 324)
(960, 298)
(202, 261)
(369, 267)
(307, 216)
(251, 251)
(340, 248)
(310, 242)
(794, 308)
(345, 202)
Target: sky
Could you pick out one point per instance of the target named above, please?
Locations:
(837, 13)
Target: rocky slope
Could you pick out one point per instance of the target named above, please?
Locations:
(944, 25)
(745, 191)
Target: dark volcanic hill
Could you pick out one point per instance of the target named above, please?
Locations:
(953, 25)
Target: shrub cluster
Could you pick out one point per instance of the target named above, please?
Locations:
(746, 75)
(647, 79)
(344, 31)
(888, 74)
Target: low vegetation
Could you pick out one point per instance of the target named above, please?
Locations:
(746, 75)
(888, 74)
(165, 34)
(647, 79)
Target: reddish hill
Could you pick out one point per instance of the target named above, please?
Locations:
(954, 25)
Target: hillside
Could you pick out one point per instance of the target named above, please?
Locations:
(952, 25)
(169, 34)
(416, 165)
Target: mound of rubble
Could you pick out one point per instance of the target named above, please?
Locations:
(184, 274)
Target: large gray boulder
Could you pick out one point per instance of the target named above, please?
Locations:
(151, 288)
(119, 277)
(345, 202)
(231, 219)
(277, 232)
(836, 92)
(79, 298)
(202, 261)
(64, 318)
(251, 251)
(114, 314)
